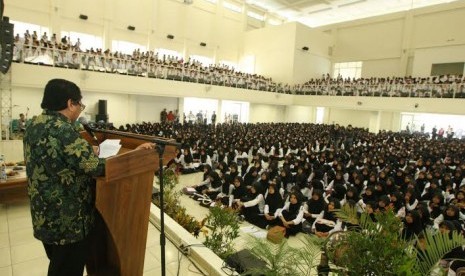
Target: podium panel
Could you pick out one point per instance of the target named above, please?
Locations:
(123, 198)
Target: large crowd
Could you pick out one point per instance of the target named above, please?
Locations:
(61, 52)
(296, 175)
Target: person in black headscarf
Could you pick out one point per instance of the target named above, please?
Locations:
(314, 207)
(397, 203)
(422, 209)
(451, 213)
(412, 225)
(328, 223)
(205, 184)
(383, 204)
(239, 191)
(252, 205)
(273, 202)
(250, 177)
(291, 215)
(215, 185)
(436, 205)
(368, 196)
(264, 181)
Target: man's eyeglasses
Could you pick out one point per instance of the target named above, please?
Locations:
(83, 106)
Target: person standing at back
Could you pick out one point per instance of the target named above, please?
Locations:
(60, 165)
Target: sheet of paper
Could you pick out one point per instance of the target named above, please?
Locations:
(109, 147)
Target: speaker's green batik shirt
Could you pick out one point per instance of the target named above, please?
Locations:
(60, 165)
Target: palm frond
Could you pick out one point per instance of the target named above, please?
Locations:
(437, 245)
(277, 257)
(347, 214)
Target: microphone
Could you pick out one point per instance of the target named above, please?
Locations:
(87, 128)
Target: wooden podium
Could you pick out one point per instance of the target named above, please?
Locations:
(123, 199)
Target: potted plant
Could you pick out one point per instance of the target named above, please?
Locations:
(377, 248)
(283, 260)
(224, 228)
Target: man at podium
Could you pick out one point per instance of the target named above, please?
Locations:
(60, 166)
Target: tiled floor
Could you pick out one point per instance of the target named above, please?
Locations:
(21, 254)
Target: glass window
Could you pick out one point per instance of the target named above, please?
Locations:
(21, 27)
(274, 22)
(348, 69)
(87, 41)
(205, 61)
(320, 113)
(230, 64)
(256, 16)
(232, 7)
(126, 47)
(167, 52)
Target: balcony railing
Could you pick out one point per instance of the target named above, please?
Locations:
(152, 68)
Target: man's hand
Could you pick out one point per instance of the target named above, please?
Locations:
(146, 146)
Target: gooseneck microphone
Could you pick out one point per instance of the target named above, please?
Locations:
(87, 128)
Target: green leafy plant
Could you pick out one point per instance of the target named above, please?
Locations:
(172, 206)
(377, 248)
(284, 260)
(224, 228)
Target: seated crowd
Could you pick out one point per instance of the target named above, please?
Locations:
(296, 175)
(52, 51)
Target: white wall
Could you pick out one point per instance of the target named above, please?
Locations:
(386, 43)
(425, 58)
(344, 117)
(262, 113)
(273, 49)
(299, 114)
(148, 108)
(381, 68)
(316, 61)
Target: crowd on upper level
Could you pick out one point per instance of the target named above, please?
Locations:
(61, 52)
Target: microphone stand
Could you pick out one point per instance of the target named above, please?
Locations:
(161, 151)
(160, 146)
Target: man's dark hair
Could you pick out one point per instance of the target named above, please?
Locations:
(57, 93)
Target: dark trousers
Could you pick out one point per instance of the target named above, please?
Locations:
(67, 259)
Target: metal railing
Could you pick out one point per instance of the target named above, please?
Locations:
(178, 71)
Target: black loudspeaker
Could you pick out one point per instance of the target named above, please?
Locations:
(83, 17)
(102, 106)
(170, 36)
(101, 118)
(305, 48)
(245, 263)
(131, 28)
(102, 111)
(203, 44)
(6, 41)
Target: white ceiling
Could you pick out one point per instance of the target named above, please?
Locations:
(314, 13)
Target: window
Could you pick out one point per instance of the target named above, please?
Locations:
(126, 47)
(21, 27)
(167, 53)
(274, 22)
(230, 64)
(87, 40)
(248, 64)
(205, 61)
(256, 16)
(348, 69)
(232, 7)
(320, 113)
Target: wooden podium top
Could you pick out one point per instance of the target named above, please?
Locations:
(15, 188)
